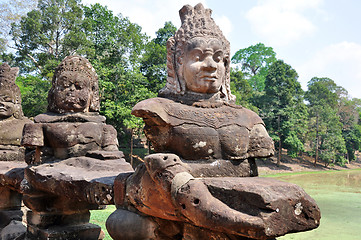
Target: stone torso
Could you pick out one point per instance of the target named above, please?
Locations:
(11, 131)
(10, 139)
(70, 135)
(197, 133)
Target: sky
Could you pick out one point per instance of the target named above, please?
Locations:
(318, 38)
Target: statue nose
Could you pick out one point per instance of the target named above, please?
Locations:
(209, 64)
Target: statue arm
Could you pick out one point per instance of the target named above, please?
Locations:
(33, 135)
(261, 144)
(110, 140)
(152, 112)
(194, 201)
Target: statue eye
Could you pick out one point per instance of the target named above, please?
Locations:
(78, 85)
(218, 57)
(197, 58)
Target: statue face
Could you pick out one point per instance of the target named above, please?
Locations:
(7, 103)
(72, 92)
(203, 65)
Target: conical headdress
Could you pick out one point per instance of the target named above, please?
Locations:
(7, 82)
(196, 22)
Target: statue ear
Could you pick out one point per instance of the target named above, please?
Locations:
(18, 111)
(94, 101)
(14, 71)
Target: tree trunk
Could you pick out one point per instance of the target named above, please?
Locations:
(148, 145)
(131, 147)
(316, 155)
(279, 142)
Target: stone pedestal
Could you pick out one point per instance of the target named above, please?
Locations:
(10, 214)
(6, 216)
(11, 174)
(60, 195)
(46, 226)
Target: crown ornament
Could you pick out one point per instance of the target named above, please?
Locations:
(7, 80)
(198, 22)
(76, 64)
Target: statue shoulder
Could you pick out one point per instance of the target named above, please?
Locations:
(244, 116)
(51, 117)
(153, 109)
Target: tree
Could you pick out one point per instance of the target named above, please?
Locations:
(241, 88)
(115, 46)
(112, 44)
(10, 13)
(255, 61)
(321, 91)
(34, 94)
(283, 110)
(325, 130)
(48, 34)
(349, 114)
(153, 64)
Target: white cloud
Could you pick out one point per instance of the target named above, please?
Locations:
(280, 22)
(341, 62)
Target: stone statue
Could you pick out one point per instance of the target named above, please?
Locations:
(72, 126)
(12, 155)
(195, 117)
(12, 119)
(199, 185)
(74, 157)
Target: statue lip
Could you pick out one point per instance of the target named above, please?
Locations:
(211, 78)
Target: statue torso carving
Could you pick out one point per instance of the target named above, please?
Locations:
(194, 133)
(70, 135)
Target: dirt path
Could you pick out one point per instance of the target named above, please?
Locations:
(301, 164)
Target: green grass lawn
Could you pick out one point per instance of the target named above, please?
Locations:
(338, 194)
(99, 217)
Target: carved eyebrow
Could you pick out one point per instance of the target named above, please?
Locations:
(197, 49)
(219, 51)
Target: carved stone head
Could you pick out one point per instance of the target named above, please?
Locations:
(10, 96)
(198, 59)
(74, 87)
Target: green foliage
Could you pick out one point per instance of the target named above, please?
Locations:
(255, 61)
(112, 39)
(8, 58)
(34, 93)
(241, 88)
(48, 34)
(283, 109)
(321, 91)
(323, 100)
(153, 64)
(349, 113)
(115, 46)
